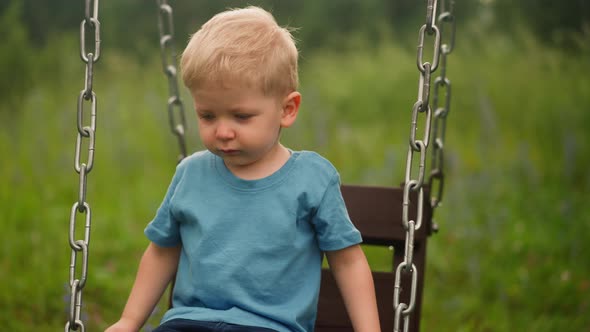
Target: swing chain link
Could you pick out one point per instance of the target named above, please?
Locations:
(436, 178)
(403, 310)
(77, 282)
(176, 115)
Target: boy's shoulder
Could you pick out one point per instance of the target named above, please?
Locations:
(308, 162)
(312, 157)
(315, 162)
(196, 157)
(195, 160)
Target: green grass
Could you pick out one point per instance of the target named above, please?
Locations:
(512, 252)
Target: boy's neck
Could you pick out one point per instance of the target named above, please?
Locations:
(269, 164)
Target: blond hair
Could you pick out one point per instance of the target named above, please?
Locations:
(241, 46)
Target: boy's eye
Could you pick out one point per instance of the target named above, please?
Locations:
(206, 116)
(243, 116)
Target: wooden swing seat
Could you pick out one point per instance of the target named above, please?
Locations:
(377, 213)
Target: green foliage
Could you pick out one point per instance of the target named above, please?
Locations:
(512, 252)
(560, 23)
(326, 22)
(16, 61)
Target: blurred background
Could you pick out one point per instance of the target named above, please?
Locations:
(513, 249)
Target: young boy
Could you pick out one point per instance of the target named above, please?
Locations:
(244, 224)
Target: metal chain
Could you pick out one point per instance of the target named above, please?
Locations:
(79, 274)
(404, 310)
(175, 105)
(436, 179)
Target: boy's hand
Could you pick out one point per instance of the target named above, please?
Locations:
(123, 325)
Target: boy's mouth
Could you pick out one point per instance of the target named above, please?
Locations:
(228, 151)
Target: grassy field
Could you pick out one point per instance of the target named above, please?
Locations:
(513, 250)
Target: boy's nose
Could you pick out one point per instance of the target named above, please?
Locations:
(224, 132)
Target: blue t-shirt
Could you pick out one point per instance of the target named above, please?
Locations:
(252, 249)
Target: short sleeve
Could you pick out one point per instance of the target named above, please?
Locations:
(334, 229)
(163, 230)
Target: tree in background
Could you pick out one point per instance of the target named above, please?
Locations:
(15, 55)
(556, 23)
(131, 24)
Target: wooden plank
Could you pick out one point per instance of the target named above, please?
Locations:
(332, 314)
(377, 213)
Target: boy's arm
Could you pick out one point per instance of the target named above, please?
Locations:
(156, 269)
(353, 276)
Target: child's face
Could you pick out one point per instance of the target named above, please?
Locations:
(242, 125)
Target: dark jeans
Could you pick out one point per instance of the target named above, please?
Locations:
(187, 325)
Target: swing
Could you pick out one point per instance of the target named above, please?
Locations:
(375, 211)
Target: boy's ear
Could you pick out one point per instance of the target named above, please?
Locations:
(290, 109)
